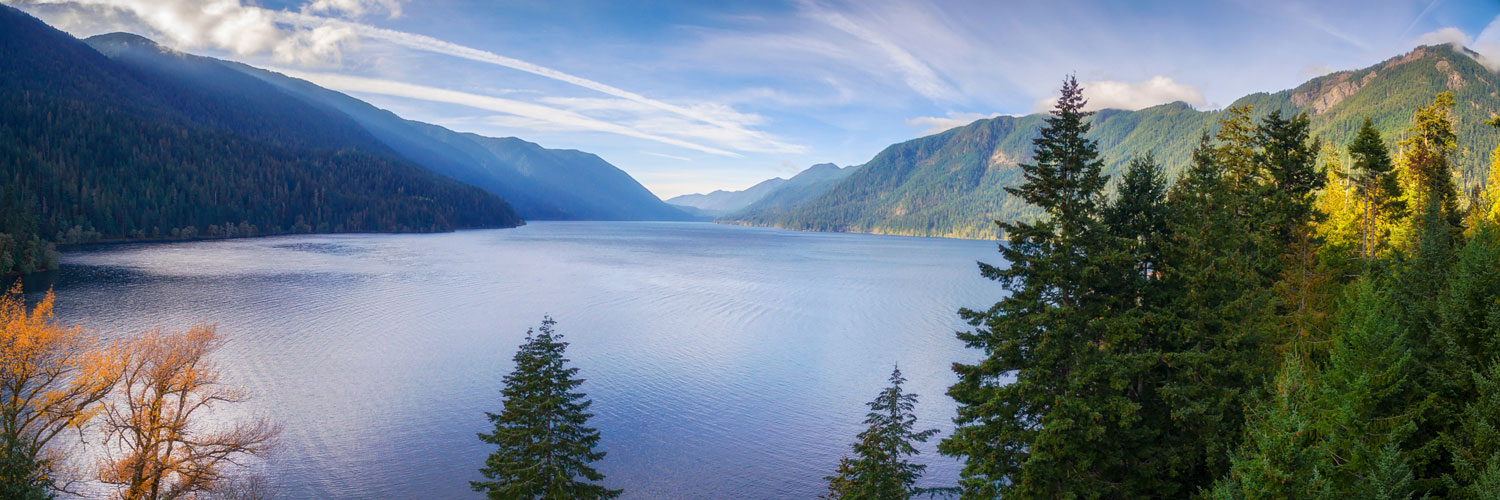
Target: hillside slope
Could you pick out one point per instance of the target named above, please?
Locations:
(94, 149)
(952, 183)
(543, 184)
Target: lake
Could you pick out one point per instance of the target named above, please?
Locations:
(723, 361)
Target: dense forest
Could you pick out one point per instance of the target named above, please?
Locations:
(95, 150)
(1290, 318)
(953, 183)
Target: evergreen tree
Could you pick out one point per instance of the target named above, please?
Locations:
(545, 445)
(22, 475)
(1374, 181)
(1219, 353)
(880, 469)
(1476, 444)
(1339, 222)
(1069, 423)
(1288, 155)
(1138, 216)
(1370, 396)
(1427, 159)
(1280, 457)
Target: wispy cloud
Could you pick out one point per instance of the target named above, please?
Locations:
(566, 120)
(304, 38)
(916, 73)
(667, 156)
(1110, 94)
(1486, 44)
(354, 8)
(434, 45)
(935, 124)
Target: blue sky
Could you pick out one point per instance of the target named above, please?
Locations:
(691, 96)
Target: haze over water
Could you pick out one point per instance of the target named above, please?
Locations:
(723, 361)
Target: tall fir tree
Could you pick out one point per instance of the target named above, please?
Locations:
(881, 469)
(545, 444)
(1375, 183)
(1069, 423)
(1427, 159)
(1288, 154)
(1475, 444)
(1138, 216)
(1219, 268)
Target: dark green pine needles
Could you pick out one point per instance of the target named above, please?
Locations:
(880, 469)
(544, 442)
(1069, 420)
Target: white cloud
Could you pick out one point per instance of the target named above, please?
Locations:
(220, 24)
(1444, 36)
(354, 8)
(935, 124)
(1110, 94)
(532, 112)
(1486, 44)
(1317, 70)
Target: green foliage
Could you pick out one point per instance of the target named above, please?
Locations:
(1370, 394)
(1071, 424)
(1427, 158)
(1289, 155)
(1374, 182)
(1281, 456)
(22, 476)
(880, 469)
(1139, 216)
(545, 444)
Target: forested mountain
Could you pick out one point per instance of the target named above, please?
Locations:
(96, 149)
(952, 183)
(541, 183)
(721, 202)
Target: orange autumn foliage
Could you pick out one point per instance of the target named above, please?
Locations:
(161, 445)
(52, 377)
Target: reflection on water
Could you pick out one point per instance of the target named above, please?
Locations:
(724, 362)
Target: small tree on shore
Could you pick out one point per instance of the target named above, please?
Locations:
(880, 469)
(545, 444)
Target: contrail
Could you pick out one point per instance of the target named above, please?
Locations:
(430, 44)
(348, 83)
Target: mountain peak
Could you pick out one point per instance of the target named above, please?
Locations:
(114, 43)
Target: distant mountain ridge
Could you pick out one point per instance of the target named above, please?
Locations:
(722, 202)
(540, 183)
(952, 183)
(770, 196)
(799, 189)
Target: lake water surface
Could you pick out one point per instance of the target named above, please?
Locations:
(723, 361)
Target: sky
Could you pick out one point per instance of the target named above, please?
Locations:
(692, 96)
